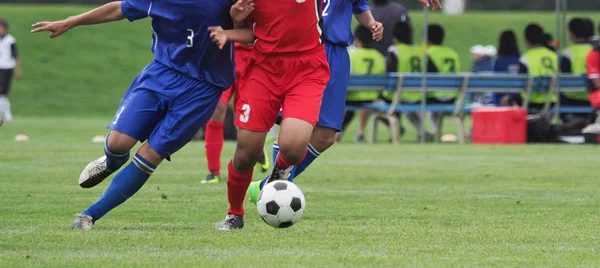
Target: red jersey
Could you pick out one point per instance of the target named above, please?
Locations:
(287, 26)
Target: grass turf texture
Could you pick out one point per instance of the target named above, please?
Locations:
(379, 205)
(86, 71)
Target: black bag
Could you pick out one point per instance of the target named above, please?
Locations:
(540, 130)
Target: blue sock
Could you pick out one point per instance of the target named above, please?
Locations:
(123, 186)
(114, 161)
(275, 152)
(310, 157)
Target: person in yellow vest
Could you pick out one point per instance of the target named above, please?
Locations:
(573, 61)
(440, 59)
(538, 60)
(364, 60)
(404, 57)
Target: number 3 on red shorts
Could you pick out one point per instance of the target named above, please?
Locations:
(245, 113)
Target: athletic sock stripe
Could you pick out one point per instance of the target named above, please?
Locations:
(143, 166)
(276, 145)
(139, 166)
(312, 150)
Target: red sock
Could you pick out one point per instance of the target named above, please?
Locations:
(214, 145)
(237, 185)
(283, 164)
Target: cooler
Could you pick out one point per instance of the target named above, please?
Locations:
(499, 125)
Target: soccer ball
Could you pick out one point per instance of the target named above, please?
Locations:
(281, 204)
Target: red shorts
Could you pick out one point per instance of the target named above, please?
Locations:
(242, 57)
(294, 83)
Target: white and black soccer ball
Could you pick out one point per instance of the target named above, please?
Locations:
(281, 204)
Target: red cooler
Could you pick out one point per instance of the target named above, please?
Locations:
(499, 125)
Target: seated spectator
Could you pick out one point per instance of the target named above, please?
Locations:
(506, 62)
(483, 58)
(573, 60)
(363, 60)
(440, 59)
(404, 57)
(538, 60)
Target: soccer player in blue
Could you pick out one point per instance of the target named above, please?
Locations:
(168, 101)
(337, 17)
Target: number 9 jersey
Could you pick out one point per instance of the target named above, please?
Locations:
(180, 39)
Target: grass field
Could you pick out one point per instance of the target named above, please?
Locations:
(368, 206)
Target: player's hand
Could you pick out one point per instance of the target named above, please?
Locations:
(241, 10)
(218, 35)
(377, 30)
(18, 75)
(56, 28)
(436, 4)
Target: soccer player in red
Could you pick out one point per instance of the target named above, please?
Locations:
(214, 128)
(593, 67)
(288, 69)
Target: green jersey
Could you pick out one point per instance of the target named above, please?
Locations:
(445, 60)
(540, 61)
(365, 61)
(408, 59)
(577, 56)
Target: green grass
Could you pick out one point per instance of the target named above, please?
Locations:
(367, 206)
(86, 72)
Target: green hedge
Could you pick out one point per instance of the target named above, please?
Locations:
(413, 4)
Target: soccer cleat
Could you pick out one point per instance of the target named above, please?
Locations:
(253, 191)
(279, 174)
(264, 162)
(212, 178)
(231, 222)
(94, 173)
(82, 222)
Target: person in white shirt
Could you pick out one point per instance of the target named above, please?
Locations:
(9, 67)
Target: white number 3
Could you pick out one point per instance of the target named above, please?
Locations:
(246, 113)
(190, 38)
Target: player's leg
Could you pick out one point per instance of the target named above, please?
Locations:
(6, 76)
(134, 120)
(256, 112)
(363, 117)
(331, 114)
(187, 113)
(213, 143)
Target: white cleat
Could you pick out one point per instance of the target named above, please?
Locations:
(94, 173)
(82, 222)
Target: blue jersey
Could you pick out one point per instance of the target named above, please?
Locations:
(337, 17)
(180, 39)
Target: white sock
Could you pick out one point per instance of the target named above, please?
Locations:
(5, 109)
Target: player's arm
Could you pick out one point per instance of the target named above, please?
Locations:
(363, 15)
(221, 37)
(106, 13)
(240, 11)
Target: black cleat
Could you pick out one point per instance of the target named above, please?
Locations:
(231, 222)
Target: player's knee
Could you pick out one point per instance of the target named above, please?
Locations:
(245, 159)
(220, 113)
(119, 142)
(292, 153)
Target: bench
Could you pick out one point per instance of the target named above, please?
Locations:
(397, 83)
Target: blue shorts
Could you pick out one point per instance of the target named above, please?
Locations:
(166, 108)
(333, 105)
